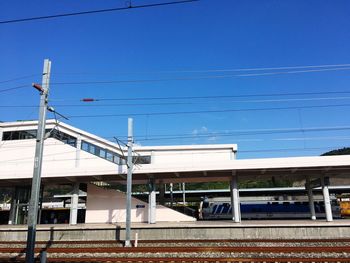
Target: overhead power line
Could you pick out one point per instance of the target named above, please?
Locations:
(14, 88)
(18, 78)
(94, 11)
(207, 103)
(207, 97)
(157, 137)
(207, 70)
(196, 77)
(206, 111)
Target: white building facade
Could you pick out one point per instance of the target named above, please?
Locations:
(73, 156)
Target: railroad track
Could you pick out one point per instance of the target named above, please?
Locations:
(176, 251)
(337, 249)
(183, 260)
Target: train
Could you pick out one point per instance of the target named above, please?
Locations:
(220, 208)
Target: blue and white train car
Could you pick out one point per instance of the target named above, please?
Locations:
(219, 208)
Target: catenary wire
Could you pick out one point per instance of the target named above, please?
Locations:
(183, 103)
(95, 11)
(193, 78)
(18, 78)
(14, 88)
(238, 133)
(206, 111)
(210, 96)
(206, 70)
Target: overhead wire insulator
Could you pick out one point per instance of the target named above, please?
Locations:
(88, 100)
(38, 87)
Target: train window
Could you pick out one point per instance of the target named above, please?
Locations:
(205, 204)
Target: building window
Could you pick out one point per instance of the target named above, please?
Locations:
(141, 159)
(63, 137)
(101, 152)
(19, 135)
(31, 134)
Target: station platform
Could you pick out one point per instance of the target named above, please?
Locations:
(225, 229)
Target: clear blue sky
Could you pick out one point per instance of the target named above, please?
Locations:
(173, 42)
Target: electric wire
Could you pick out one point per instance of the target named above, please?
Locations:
(207, 70)
(210, 96)
(236, 133)
(193, 78)
(14, 88)
(95, 11)
(184, 103)
(18, 78)
(206, 111)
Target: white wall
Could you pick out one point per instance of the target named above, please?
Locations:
(17, 160)
(109, 206)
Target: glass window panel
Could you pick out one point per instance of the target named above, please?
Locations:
(109, 156)
(116, 159)
(102, 153)
(85, 146)
(92, 148)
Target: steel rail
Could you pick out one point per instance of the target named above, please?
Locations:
(234, 249)
(187, 241)
(182, 259)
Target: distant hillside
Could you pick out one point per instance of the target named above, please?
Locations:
(342, 151)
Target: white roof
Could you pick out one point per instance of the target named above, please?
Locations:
(60, 162)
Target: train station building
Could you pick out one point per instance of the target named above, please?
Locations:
(73, 156)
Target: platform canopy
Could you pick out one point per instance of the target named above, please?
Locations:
(72, 155)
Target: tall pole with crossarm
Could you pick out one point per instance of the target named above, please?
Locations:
(129, 184)
(34, 197)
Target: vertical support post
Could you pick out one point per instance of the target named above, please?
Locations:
(327, 201)
(236, 216)
(311, 199)
(77, 153)
(74, 204)
(171, 195)
(183, 194)
(129, 184)
(34, 198)
(12, 217)
(152, 202)
(41, 203)
(232, 201)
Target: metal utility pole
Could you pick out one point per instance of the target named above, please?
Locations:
(34, 197)
(129, 184)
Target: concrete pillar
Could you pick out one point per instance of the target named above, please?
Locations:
(183, 194)
(152, 203)
(311, 199)
(236, 213)
(171, 195)
(77, 152)
(74, 205)
(327, 201)
(13, 208)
